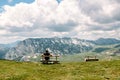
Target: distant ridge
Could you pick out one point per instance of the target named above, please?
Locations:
(56, 45)
(106, 41)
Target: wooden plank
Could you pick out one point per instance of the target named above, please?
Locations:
(91, 60)
(53, 59)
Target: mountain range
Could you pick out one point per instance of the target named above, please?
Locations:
(61, 46)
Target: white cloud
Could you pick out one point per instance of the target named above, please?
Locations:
(104, 11)
(70, 18)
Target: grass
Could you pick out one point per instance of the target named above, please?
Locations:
(81, 56)
(102, 70)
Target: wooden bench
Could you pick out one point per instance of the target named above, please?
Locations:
(52, 60)
(89, 58)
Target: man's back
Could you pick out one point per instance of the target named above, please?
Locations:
(47, 55)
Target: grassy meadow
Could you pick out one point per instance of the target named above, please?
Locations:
(101, 70)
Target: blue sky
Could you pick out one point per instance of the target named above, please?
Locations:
(84, 19)
(13, 2)
(59, 1)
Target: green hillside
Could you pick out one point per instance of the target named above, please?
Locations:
(103, 70)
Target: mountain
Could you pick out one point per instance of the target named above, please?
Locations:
(100, 49)
(13, 44)
(106, 41)
(3, 50)
(62, 46)
(117, 46)
(56, 45)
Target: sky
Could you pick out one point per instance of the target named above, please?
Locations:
(84, 19)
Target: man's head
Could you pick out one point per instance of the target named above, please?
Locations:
(46, 50)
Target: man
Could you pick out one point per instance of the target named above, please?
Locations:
(47, 55)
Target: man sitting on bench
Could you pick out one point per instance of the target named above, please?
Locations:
(47, 55)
